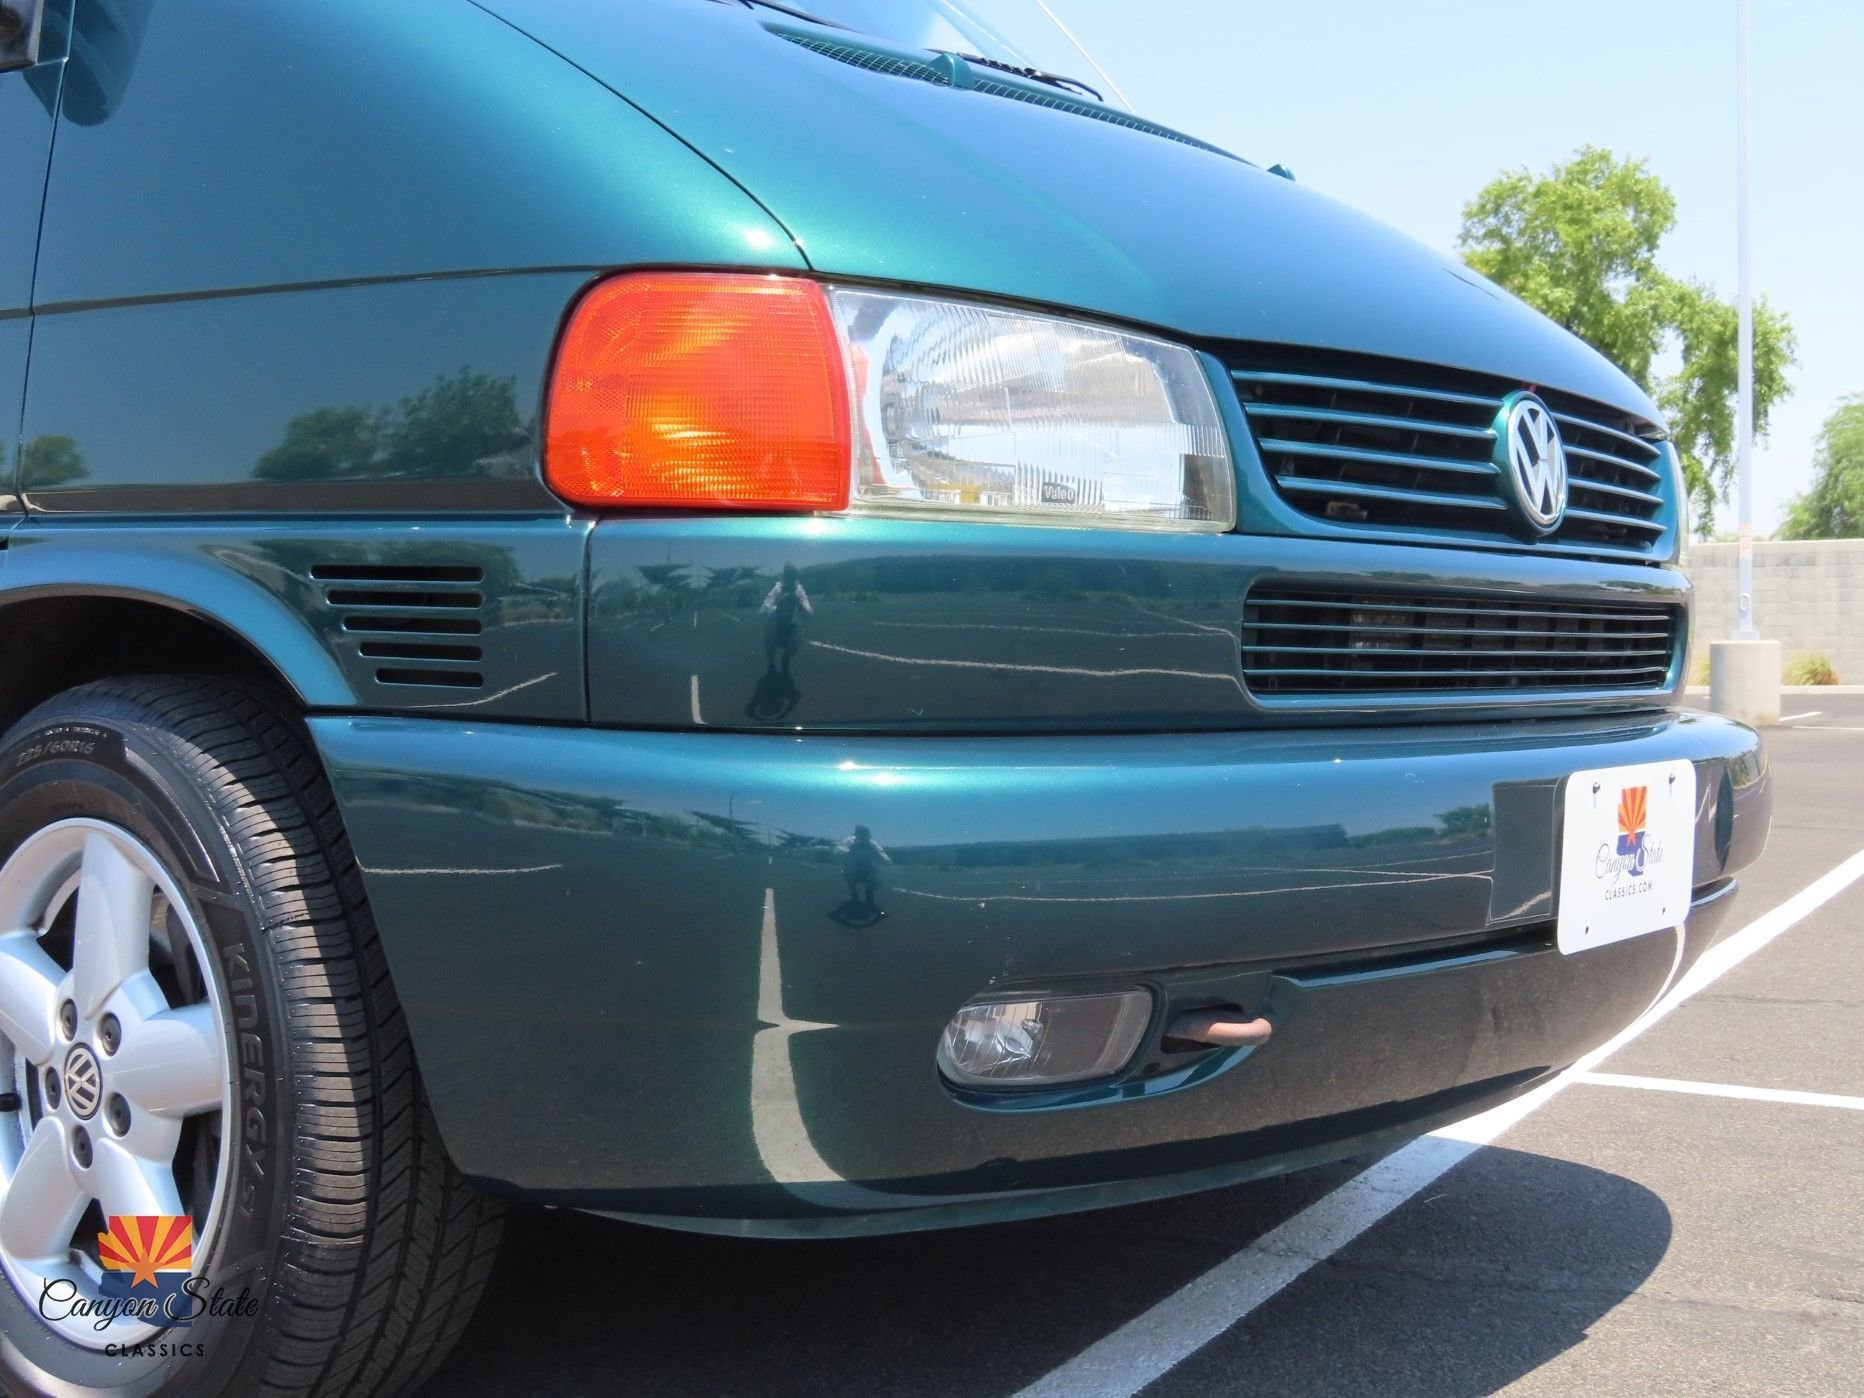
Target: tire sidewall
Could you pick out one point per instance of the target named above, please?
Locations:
(72, 759)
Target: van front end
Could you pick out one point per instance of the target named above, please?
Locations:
(763, 618)
(747, 976)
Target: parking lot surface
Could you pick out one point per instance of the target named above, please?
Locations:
(1686, 1217)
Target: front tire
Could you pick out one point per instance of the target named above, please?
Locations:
(190, 981)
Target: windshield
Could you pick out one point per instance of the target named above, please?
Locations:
(951, 26)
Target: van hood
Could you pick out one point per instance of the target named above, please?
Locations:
(894, 178)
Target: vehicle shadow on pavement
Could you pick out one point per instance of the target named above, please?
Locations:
(1497, 1268)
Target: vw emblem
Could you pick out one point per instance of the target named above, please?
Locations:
(84, 1081)
(1536, 461)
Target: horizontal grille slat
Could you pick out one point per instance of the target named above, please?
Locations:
(1414, 448)
(1453, 610)
(426, 624)
(1344, 490)
(1306, 642)
(421, 650)
(1441, 630)
(1642, 526)
(1513, 675)
(1319, 381)
(424, 678)
(1568, 421)
(1605, 458)
(398, 573)
(378, 597)
(1379, 652)
(1403, 460)
(1642, 497)
(1345, 418)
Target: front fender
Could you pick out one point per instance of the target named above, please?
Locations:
(479, 618)
(180, 570)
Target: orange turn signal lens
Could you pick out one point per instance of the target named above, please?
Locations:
(692, 389)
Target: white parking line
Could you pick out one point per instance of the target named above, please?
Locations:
(1722, 1089)
(1794, 718)
(696, 719)
(1158, 1339)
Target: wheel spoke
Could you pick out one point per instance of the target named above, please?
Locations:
(131, 1184)
(171, 1063)
(44, 1200)
(115, 902)
(29, 996)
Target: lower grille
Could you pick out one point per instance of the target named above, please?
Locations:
(1323, 641)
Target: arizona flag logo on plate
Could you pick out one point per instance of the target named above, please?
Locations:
(1633, 812)
(1627, 853)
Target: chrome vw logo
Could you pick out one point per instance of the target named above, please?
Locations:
(1536, 461)
(84, 1081)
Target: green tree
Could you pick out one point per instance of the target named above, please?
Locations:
(1580, 245)
(463, 424)
(50, 460)
(324, 444)
(1834, 507)
(459, 426)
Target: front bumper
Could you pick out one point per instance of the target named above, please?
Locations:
(638, 980)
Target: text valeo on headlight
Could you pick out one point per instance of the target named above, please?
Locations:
(735, 391)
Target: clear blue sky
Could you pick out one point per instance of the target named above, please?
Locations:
(1406, 109)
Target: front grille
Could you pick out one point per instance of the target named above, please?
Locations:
(1328, 641)
(1408, 449)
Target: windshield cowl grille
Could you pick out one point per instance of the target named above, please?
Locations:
(957, 72)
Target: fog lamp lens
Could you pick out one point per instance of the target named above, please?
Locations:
(1058, 1039)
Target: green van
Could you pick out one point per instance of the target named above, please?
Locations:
(761, 619)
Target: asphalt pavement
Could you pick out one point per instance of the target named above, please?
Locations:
(1687, 1218)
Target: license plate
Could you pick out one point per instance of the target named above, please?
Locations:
(1627, 853)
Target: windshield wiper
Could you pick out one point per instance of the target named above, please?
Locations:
(792, 12)
(1021, 70)
(1039, 75)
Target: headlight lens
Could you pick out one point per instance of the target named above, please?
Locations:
(973, 411)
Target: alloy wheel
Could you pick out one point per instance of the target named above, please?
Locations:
(121, 1078)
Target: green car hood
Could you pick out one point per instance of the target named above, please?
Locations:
(883, 176)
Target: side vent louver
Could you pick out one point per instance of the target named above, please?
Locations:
(413, 625)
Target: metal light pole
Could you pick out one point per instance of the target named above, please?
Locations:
(1744, 304)
(1744, 671)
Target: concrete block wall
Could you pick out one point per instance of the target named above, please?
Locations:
(1808, 596)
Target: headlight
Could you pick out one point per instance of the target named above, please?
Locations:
(746, 391)
(974, 411)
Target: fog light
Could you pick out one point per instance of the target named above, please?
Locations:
(1021, 1043)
